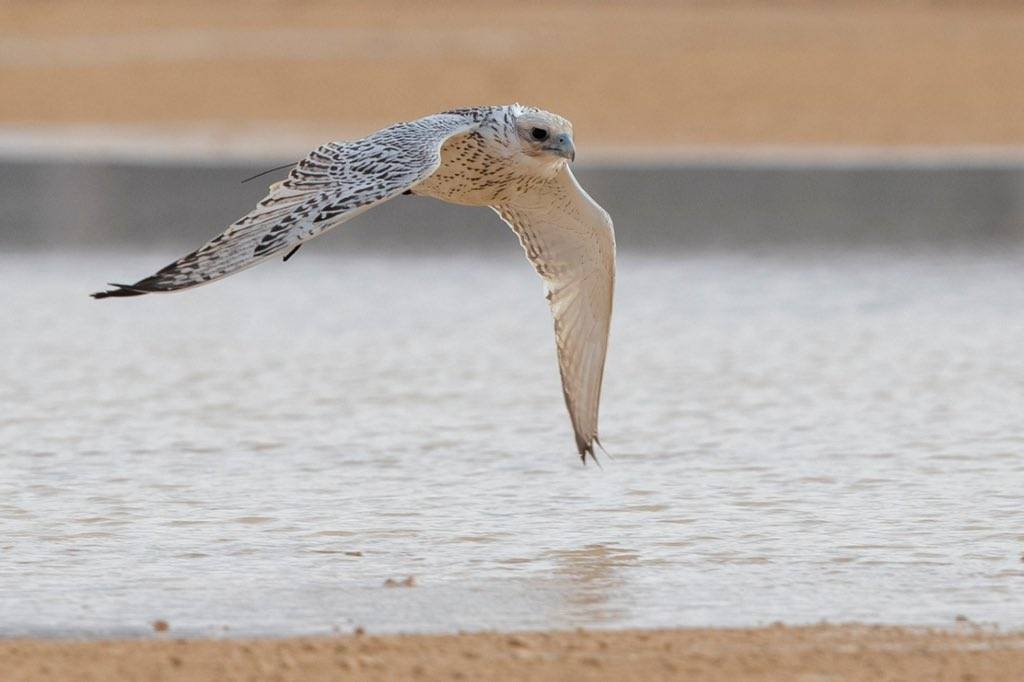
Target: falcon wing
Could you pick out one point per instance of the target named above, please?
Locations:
(335, 183)
(570, 242)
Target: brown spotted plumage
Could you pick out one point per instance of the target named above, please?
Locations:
(511, 158)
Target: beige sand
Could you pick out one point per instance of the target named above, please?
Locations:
(811, 654)
(650, 74)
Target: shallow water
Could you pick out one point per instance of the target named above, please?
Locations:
(793, 438)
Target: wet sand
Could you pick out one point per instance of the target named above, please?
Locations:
(648, 75)
(849, 653)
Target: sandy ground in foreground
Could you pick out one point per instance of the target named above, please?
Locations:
(644, 74)
(812, 654)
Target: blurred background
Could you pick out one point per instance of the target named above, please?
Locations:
(814, 384)
(702, 124)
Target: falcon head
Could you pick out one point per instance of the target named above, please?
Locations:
(544, 136)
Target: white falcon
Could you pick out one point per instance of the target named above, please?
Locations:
(513, 159)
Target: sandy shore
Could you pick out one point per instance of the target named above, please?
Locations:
(643, 75)
(812, 654)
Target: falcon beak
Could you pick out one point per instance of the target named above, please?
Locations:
(563, 146)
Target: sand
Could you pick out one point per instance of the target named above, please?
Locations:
(643, 75)
(821, 653)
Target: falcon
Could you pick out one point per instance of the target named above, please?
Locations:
(513, 159)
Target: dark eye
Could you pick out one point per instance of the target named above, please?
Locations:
(539, 134)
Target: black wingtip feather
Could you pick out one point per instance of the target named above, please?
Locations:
(584, 448)
(122, 290)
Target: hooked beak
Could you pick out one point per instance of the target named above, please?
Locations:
(563, 146)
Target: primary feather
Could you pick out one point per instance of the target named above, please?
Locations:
(511, 158)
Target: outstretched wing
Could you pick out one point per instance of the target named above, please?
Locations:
(333, 184)
(570, 242)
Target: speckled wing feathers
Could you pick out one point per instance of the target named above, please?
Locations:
(477, 157)
(335, 183)
(570, 242)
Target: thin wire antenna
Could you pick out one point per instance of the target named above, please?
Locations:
(260, 175)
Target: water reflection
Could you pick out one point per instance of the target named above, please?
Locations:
(591, 582)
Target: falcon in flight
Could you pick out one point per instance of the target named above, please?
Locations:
(513, 159)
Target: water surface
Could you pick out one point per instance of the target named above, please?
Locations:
(794, 438)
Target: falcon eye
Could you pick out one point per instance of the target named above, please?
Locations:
(539, 134)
